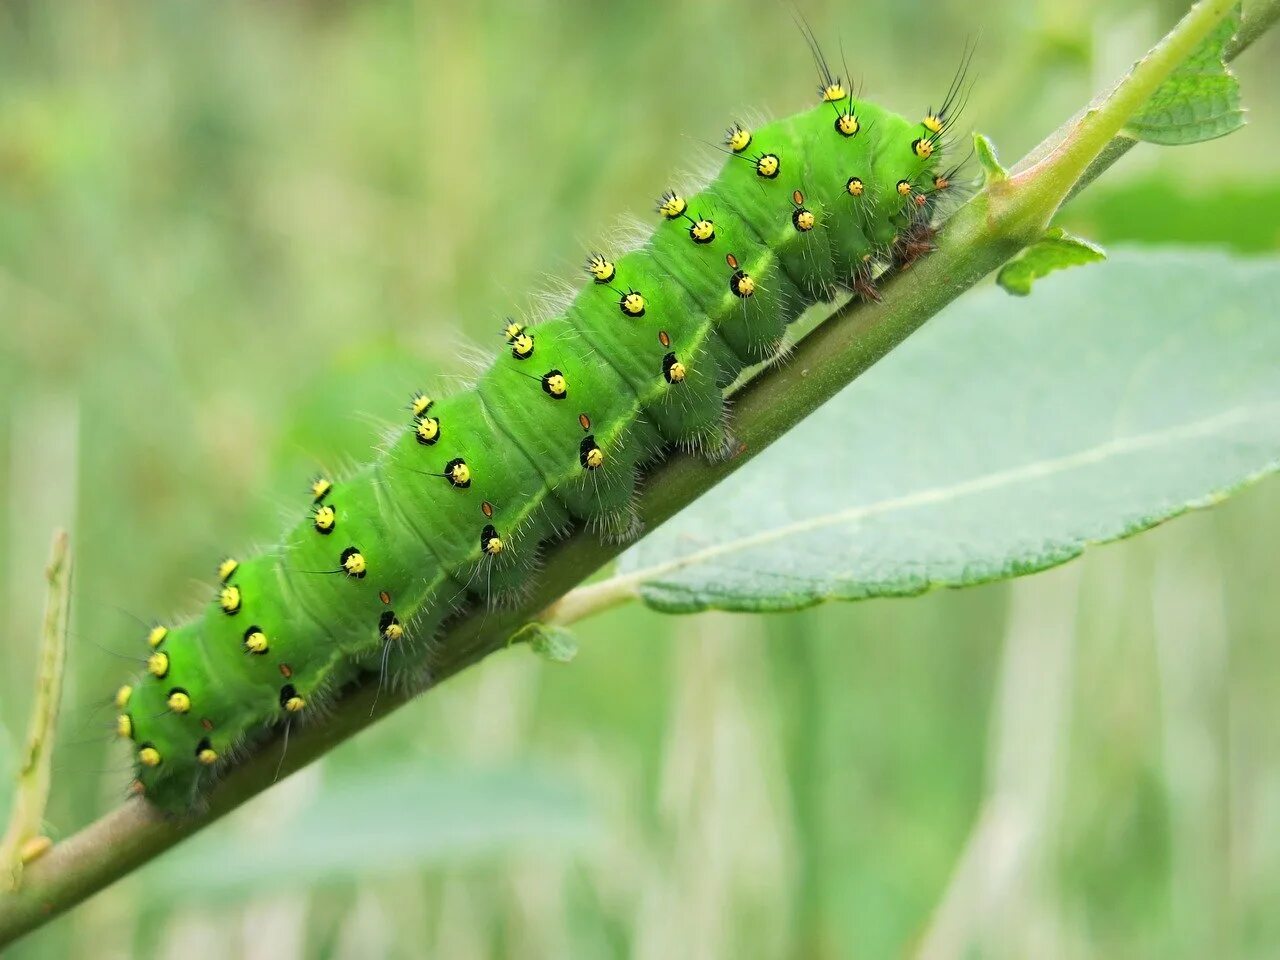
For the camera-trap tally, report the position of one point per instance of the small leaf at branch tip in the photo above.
(986, 151)
(548, 641)
(1199, 101)
(1056, 250)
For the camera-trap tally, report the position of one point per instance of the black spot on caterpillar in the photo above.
(553, 433)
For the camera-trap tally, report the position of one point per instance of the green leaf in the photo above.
(1199, 101)
(547, 640)
(1242, 216)
(8, 776)
(375, 821)
(987, 159)
(1056, 250)
(1002, 439)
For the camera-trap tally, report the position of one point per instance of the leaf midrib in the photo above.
(983, 483)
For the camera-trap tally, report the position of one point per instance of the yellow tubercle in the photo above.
(833, 92)
(229, 599)
(158, 664)
(353, 563)
(179, 701)
(427, 431)
(632, 304)
(255, 641)
(671, 205)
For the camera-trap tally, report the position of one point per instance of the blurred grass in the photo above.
(234, 237)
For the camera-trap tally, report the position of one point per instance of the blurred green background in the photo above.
(234, 237)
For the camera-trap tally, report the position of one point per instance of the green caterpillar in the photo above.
(553, 434)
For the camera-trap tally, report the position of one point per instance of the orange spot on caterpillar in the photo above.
(664, 338)
(731, 260)
(286, 671)
(584, 421)
(487, 508)
(384, 596)
(206, 723)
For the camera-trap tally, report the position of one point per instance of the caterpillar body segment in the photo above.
(553, 434)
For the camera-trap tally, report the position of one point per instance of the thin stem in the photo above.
(1261, 18)
(978, 239)
(24, 839)
(1028, 200)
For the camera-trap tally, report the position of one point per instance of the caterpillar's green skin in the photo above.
(421, 536)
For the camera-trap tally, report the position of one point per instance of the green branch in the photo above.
(24, 840)
(995, 225)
